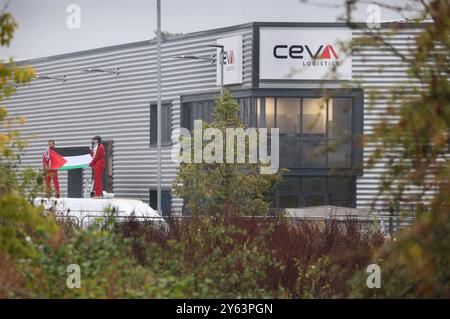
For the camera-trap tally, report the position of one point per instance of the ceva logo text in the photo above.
(228, 57)
(282, 51)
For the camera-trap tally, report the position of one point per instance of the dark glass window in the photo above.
(314, 200)
(259, 121)
(313, 184)
(340, 189)
(339, 184)
(202, 110)
(340, 199)
(208, 111)
(307, 138)
(339, 132)
(186, 116)
(290, 184)
(166, 124)
(166, 201)
(314, 118)
(315, 191)
(339, 153)
(247, 112)
(290, 152)
(288, 201)
(316, 139)
(270, 112)
(339, 117)
(197, 111)
(313, 132)
(288, 116)
(314, 152)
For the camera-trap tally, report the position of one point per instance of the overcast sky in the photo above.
(44, 31)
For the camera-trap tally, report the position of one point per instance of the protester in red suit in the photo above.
(49, 173)
(98, 164)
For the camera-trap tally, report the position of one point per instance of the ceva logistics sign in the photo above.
(232, 68)
(304, 54)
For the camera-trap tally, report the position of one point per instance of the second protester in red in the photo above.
(98, 164)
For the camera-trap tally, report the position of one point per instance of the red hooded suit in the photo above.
(98, 165)
(50, 174)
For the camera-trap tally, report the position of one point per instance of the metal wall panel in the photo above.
(379, 71)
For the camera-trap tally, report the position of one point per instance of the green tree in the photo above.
(10, 76)
(229, 188)
(20, 221)
(11, 145)
(167, 34)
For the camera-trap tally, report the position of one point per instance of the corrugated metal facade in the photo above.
(379, 71)
(117, 107)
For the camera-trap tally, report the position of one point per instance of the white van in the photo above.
(83, 211)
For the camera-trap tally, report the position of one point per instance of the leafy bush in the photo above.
(106, 269)
(20, 224)
(196, 257)
(238, 257)
(416, 264)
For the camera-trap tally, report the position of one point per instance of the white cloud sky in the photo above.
(43, 29)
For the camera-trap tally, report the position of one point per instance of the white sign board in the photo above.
(232, 68)
(304, 54)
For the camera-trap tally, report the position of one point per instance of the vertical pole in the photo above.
(391, 222)
(158, 106)
(221, 71)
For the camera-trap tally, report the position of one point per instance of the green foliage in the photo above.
(167, 34)
(316, 279)
(240, 257)
(106, 269)
(10, 76)
(27, 182)
(230, 188)
(202, 257)
(8, 26)
(20, 224)
(415, 265)
(208, 260)
(11, 146)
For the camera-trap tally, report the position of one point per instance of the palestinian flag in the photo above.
(65, 158)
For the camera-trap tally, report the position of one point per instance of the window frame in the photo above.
(326, 193)
(166, 200)
(357, 94)
(168, 141)
(307, 139)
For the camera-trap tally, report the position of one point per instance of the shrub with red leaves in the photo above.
(229, 257)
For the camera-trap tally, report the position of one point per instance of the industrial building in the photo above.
(278, 73)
